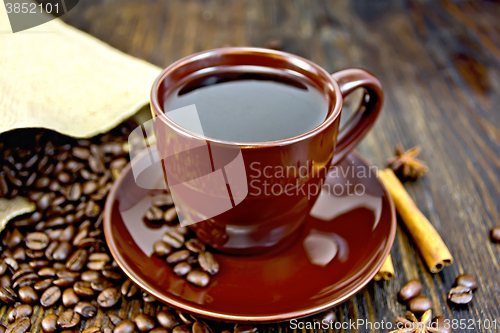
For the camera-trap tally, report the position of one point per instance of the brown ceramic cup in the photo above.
(225, 190)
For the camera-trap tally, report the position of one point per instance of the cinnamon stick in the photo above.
(386, 272)
(430, 245)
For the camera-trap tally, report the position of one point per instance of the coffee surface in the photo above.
(251, 106)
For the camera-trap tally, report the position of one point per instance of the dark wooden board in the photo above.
(439, 62)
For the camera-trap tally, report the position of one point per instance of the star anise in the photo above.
(407, 163)
(411, 324)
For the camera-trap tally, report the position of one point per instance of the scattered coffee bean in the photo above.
(181, 329)
(466, 280)
(495, 234)
(22, 272)
(108, 297)
(420, 304)
(144, 322)
(77, 260)
(69, 297)
(148, 298)
(43, 284)
(68, 319)
(83, 288)
(101, 285)
(166, 319)
(27, 295)
(97, 261)
(47, 272)
(170, 214)
(186, 318)
(441, 324)
(23, 310)
(194, 245)
(94, 329)
(174, 239)
(198, 278)
(129, 289)
(49, 323)
(85, 309)
(460, 295)
(178, 256)
(410, 290)
(62, 251)
(161, 249)
(159, 330)
(154, 214)
(21, 325)
(125, 326)
(50, 296)
(208, 263)
(114, 318)
(182, 268)
(7, 295)
(112, 275)
(81, 153)
(201, 327)
(90, 276)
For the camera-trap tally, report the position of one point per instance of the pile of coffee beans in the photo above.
(179, 246)
(410, 294)
(57, 255)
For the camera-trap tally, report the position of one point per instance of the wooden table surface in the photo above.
(439, 62)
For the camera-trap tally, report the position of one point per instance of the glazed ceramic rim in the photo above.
(303, 63)
(354, 288)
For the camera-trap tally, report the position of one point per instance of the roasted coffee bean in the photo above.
(74, 192)
(67, 274)
(101, 285)
(198, 278)
(460, 295)
(181, 329)
(39, 263)
(67, 234)
(58, 202)
(245, 329)
(174, 239)
(21, 325)
(64, 177)
(69, 297)
(55, 222)
(420, 304)
(68, 319)
(154, 214)
(161, 249)
(80, 235)
(148, 298)
(83, 288)
(47, 272)
(14, 239)
(89, 187)
(20, 311)
(96, 164)
(466, 280)
(92, 209)
(144, 322)
(194, 245)
(441, 324)
(112, 275)
(114, 318)
(26, 280)
(19, 254)
(34, 254)
(90, 276)
(81, 153)
(97, 261)
(5, 281)
(178, 256)
(162, 200)
(45, 201)
(53, 234)
(92, 330)
(3, 267)
(59, 266)
(186, 318)
(182, 230)
(129, 289)
(495, 234)
(85, 309)
(182, 268)
(77, 260)
(125, 326)
(21, 272)
(208, 263)
(410, 290)
(49, 323)
(201, 327)
(43, 284)
(166, 319)
(64, 281)
(11, 262)
(27, 295)
(62, 251)
(108, 297)
(159, 330)
(50, 296)
(42, 182)
(90, 242)
(54, 186)
(170, 214)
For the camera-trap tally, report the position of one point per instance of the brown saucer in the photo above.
(337, 253)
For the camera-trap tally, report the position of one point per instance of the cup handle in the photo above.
(363, 119)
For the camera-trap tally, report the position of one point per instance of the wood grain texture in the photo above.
(439, 62)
